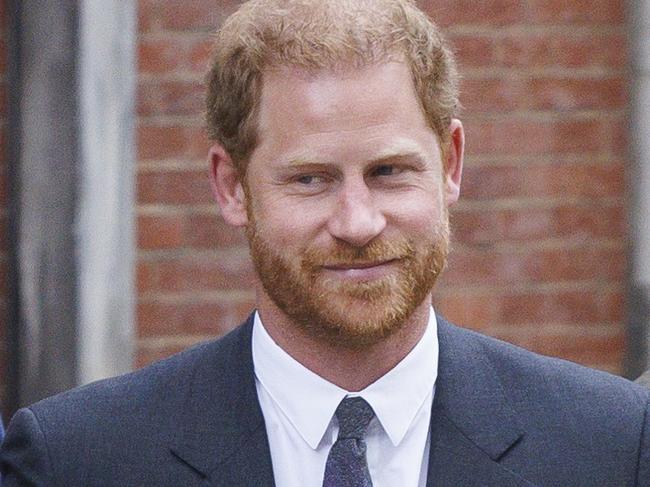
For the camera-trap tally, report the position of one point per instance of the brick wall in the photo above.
(193, 271)
(3, 202)
(539, 252)
(541, 229)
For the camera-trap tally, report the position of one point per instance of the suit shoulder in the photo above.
(130, 420)
(552, 379)
(558, 403)
(156, 389)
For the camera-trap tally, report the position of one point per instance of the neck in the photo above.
(350, 369)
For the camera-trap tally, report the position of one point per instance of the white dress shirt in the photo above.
(298, 407)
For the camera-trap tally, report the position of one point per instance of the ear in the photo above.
(227, 187)
(454, 162)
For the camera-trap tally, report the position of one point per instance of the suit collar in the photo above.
(221, 425)
(472, 423)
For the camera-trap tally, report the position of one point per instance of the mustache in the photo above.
(342, 253)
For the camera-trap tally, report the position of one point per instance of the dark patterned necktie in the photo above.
(347, 465)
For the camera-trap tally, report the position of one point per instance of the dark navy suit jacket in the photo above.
(501, 417)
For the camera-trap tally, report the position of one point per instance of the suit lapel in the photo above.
(221, 431)
(472, 422)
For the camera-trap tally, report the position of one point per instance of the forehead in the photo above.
(323, 93)
(339, 109)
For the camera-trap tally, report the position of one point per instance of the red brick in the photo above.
(597, 12)
(196, 231)
(475, 311)
(170, 98)
(464, 12)
(179, 55)
(497, 267)
(577, 223)
(579, 308)
(160, 56)
(160, 232)
(586, 348)
(194, 273)
(543, 137)
(204, 318)
(182, 15)
(557, 265)
(541, 50)
(576, 50)
(474, 51)
(493, 94)
(167, 142)
(577, 94)
(508, 94)
(199, 55)
(211, 231)
(174, 187)
(561, 180)
(468, 269)
(145, 277)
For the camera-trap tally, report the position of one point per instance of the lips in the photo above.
(357, 265)
(359, 271)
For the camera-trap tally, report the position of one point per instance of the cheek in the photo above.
(289, 225)
(417, 216)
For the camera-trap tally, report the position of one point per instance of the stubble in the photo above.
(350, 313)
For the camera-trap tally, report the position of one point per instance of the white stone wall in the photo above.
(105, 223)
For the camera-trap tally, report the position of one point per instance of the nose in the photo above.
(356, 218)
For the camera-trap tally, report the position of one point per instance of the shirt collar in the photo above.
(309, 401)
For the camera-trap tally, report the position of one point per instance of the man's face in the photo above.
(347, 215)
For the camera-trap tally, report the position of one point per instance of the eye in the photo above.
(309, 179)
(386, 170)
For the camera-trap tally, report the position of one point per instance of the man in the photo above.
(338, 151)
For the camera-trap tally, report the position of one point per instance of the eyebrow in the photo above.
(384, 157)
(396, 158)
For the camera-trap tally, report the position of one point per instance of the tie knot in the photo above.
(354, 415)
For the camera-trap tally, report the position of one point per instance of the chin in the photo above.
(355, 323)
